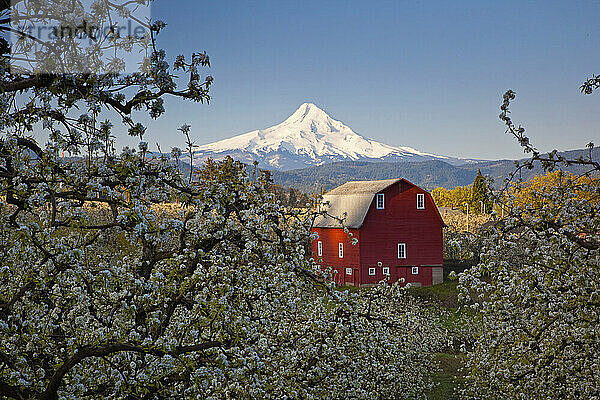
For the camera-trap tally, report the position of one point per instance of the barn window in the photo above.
(401, 250)
(380, 201)
(415, 270)
(386, 270)
(420, 201)
(348, 271)
(371, 271)
(341, 250)
(319, 248)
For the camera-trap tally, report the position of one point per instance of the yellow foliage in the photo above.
(455, 198)
(535, 192)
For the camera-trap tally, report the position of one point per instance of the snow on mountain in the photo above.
(308, 137)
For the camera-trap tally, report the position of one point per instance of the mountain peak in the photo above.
(308, 137)
(307, 111)
(310, 107)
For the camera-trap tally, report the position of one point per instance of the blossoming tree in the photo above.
(110, 289)
(537, 289)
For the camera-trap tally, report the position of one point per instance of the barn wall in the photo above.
(330, 238)
(401, 222)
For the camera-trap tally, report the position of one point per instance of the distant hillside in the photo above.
(500, 169)
(426, 174)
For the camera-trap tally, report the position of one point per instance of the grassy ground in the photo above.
(444, 297)
(443, 294)
(449, 378)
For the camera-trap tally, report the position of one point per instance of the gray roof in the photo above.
(350, 201)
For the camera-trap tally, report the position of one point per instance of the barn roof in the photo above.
(351, 201)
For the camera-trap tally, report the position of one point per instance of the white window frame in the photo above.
(402, 254)
(386, 270)
(341, 250)
(372, 271)
(320, 248)
(348, 271)
(380, 196)
(420, 201)
(415, 270)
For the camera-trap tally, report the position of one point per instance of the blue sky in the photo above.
(429, 75)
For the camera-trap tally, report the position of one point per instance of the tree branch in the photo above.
(106, 350)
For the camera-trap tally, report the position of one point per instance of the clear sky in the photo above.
(424, 74)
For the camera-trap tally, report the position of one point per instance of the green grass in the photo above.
(443, 300)
(350, 288)
(444, 294)
(449, 378)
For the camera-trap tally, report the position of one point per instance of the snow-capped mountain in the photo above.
(309, 137)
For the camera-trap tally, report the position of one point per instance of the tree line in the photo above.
(475, 198)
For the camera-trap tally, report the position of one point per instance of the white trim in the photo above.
(320, 248)
(348, 271)
(372, 271)
(415, 270)
(386, 270)
(420, 201)
(402, 250)
(380, 196)
(341, 250)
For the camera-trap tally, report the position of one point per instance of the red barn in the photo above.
(393, 230)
